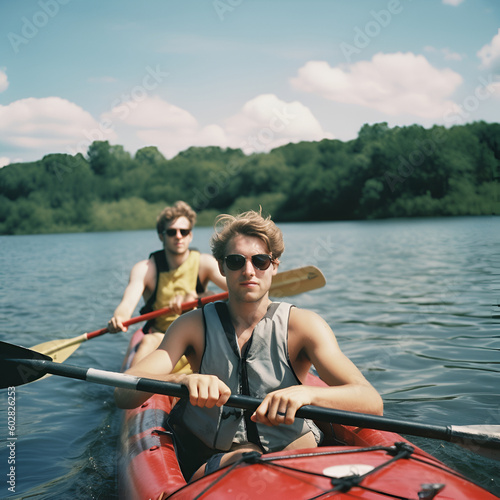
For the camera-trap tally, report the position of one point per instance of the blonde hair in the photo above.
(248, 224)
(169, 214)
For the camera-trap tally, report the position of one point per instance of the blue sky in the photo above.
(249, 74)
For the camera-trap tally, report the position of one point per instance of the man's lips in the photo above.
(248, 283)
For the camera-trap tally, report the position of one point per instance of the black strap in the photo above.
(227, 325)
(251, 426)
(161, 266)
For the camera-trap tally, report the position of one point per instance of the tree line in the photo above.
(385, 172)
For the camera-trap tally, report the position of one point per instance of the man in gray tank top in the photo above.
(252, 346)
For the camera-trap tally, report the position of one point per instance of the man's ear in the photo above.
(276, 263)
(161, 237)
(220, 263)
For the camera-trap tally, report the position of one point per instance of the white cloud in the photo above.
(267, 122)
(35, 127)
(4, 161)
(446, 52)
(263, 123)
(494, 89)
(490, 53)
(49, 125)
(453, 3)
(395, 84)
(4, 82)
(153, 121)
(153, 112)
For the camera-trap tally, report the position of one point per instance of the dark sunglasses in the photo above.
(173, 232)
(236, 261)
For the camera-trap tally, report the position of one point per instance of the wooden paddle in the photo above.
(285, 284)
(21, 366)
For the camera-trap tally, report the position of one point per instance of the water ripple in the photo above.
(414, 303)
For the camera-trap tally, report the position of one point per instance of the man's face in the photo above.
(173, 240)
(249, 283)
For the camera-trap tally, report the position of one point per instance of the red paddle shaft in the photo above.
(165, 310)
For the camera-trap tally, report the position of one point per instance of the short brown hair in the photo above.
(169, 214)
(248, 224)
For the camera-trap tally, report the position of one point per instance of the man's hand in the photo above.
(115, 324)
(206, 390)
(279, 407)
(176, 303)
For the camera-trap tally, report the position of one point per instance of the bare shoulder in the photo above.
(209, 271)
(191, 319)
(304, 320)
(144, 272)
(187, 330)
(207, 260)
(308, 331)
(143, 266)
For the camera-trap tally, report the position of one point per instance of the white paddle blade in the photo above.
(481, 439)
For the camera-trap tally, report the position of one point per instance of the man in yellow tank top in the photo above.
(168, 278)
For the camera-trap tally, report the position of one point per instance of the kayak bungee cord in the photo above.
(398, 451)
(344, 484)
(249, 458)
(415, 456)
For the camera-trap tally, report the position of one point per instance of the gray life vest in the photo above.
(262, 368)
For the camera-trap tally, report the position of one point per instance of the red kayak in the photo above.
(352, 463)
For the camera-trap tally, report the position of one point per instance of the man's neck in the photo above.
(175, 260)
(246, 315)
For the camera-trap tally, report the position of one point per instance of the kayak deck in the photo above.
(353, 463)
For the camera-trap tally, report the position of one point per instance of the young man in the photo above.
(253, 346)
(168, 278)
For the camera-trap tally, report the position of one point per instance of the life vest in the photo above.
(262, 368)
(169, 283)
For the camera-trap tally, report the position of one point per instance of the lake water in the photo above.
(414, 303)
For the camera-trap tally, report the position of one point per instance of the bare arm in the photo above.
(142, 277)
(209, 271)
(311, 341)
(184, 336)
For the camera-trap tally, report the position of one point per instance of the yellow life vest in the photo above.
(170, 283)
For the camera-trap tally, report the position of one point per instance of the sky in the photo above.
(249, 74)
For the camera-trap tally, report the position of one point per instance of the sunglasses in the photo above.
(236, 261)
(173, 232)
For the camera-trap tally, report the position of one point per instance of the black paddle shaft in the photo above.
(29, 366)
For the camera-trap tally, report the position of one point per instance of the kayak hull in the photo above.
(387, 465)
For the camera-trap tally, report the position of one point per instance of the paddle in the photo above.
(285, 284)
(21, 366)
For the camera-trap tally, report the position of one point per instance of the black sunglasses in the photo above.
(236, 261)
(173, 232)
